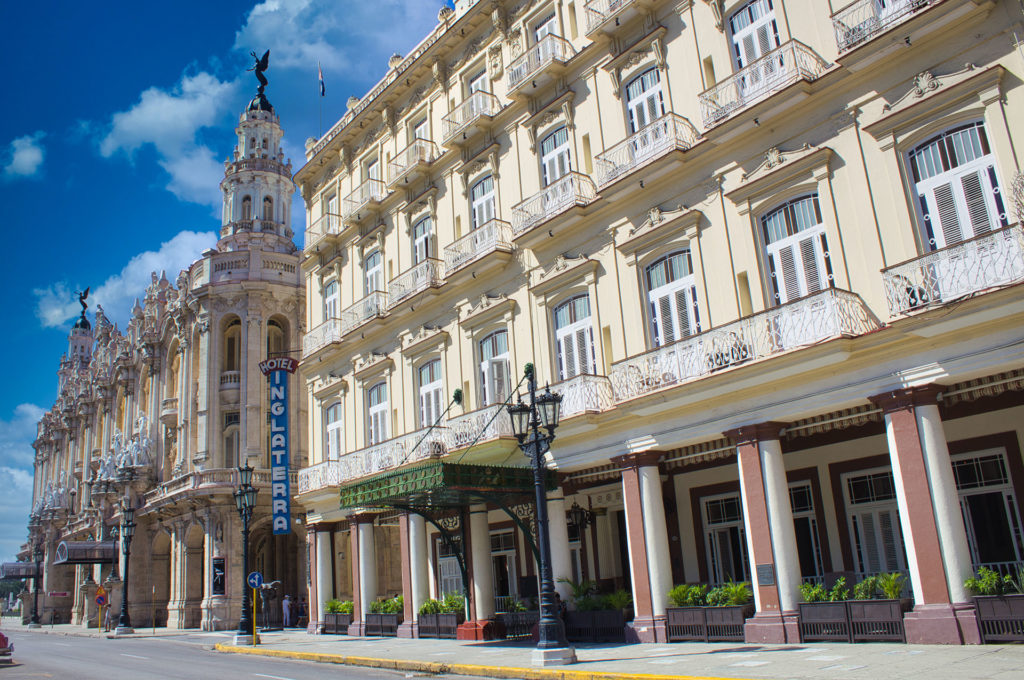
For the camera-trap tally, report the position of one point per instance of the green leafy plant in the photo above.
(1017, 579)
(730, 593)
(891, 584)
(620, 599)
(816, 592)
(516, 605)
(866, 589)
(430, 606)
(989, 582)
(580, 589)
(688, 595)
(339, 606)
(453, 603)
(393, 605)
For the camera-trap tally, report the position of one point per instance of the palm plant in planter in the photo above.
(875, 612)
(385, 617)
(441, 618)
(999, 600)
(708, 615)
(823, 614)
(596, 618)
(337, 616)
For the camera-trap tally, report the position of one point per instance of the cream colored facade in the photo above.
(767, 253)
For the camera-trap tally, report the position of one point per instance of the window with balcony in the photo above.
(957, 186)
(494, 372)
(478, 82)
(574, 338)
(554, 155)
(754, 32)
(231, 439)
(672, 295)
(418, 130)
(371, 169)
(874, 521)
(546, 26)
(377, 414)
(331, 301)
(422, 240)
(725, 539)
(233, 346)
(796, 249)
(481, 198)
(373, 269)
(333, 431)
(431, 392)
(644, 101)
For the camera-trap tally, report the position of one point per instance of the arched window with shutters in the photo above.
(574, 337)
(373, 270)
(481, 197)
(796, 249)
(644, 100)
(268, 209)
(754, 34)
(494, 374)
(554, 156)
(331, 301)
(431, 392)
(333, 431)
(672, 294)
(957, 186)
(377, 414)
(422, 240)
(246, 207)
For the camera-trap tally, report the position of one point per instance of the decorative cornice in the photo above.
(659, 224)
(425, 336)
(563, 269)
(487, 307)
(782, 170)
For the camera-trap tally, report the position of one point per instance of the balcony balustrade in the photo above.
(490, 422)
(862, 20)
(169, 412)
(570, 190)
(541, 60)
(411, 162)
(324, 226)
(321, 336)
(584, 394)
(605, 14)
(966, 268)
(831, 313)
(426, 274)
(230, 380)
(476, 111)
(489, 237)
(387, 455)
(373, 305)
(760, 79)
(370, 192)
(668, 133)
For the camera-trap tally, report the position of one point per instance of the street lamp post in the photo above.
(124, 623)
(245, 500)
(37, 554)
(527, 419)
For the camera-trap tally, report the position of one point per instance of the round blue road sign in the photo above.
(255, 579)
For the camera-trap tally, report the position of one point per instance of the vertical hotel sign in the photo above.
(277, 370)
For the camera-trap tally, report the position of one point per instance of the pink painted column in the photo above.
(407, 629)
(358, 625)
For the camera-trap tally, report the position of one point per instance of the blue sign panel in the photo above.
(280, 492)
(255, 579)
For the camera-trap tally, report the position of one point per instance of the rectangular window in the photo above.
(449, 576)
(333, 430)
(989, 507)
(478, 82)
(805, 525)
(331, 301)
(725, 539)
(798, 257)
(374, 272)
(422, 240)
(574, 338)
(494, 373)
(482, 201)
(555, 158)
(431, 393)
(377, 414)
(874, 522)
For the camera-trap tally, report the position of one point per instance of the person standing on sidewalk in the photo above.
(286, 611)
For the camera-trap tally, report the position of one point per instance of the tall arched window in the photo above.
(431, 392)
(482, 201)
(644, 100)
(246, 207)
(233, 346)
(754, 34)
(574, 337)
(957, 186)
(494, 358)
(374, 271)
(231, 439)
(333, 430)
(275, 338)
(268, 208)
(554, 155)
(422, 240)
(377, 414)
(331, 300)
(798, 258)
(672, 294)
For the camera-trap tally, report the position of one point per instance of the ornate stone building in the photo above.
(163, 411)
(765, 251)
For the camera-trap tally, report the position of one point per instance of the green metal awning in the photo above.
(16, 570)
(438, 484)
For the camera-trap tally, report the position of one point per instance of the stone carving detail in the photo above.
(717, 10)
(926, 82)
(656, 216)
(773, 158)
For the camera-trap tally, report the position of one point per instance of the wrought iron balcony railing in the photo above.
(862, 20)
(490, 422)
(600, 12)
(569, 190)
(585, 394)
(326, 225)
(419, 154)
(477, 105)
(668, 133)
(969, 267)
(370, 191)
(387, 455)
(551, 48)
(373, 305)
(321, 336)
(487, 238)
(426, 274)
(760, 79)
(831, 313)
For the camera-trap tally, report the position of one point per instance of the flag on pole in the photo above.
(321, 72)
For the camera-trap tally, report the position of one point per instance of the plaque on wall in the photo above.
(766, 574)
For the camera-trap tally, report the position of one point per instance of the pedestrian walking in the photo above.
(286, 611)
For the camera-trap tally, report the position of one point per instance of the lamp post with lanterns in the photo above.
(527, 421)
(124, 622)
(37, 555)
(245, 500)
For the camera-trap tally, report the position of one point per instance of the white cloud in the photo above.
(24, 156)
(170, 121)
(16, 466)
(56, 304)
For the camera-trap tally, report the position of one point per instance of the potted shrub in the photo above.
(518, 621)
(729, 606)
(685, 617)
(441, 618)
(337, 617)
(823, 613)
(999, 601)
(595, 618)
(877, 608)
(385, 617)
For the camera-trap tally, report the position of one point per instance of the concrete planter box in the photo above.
(442, 626)
(336, 624)
(607, 625)
(382, 625)
(1000, 617)
(708, 624)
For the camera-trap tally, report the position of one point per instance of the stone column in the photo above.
(771, 539)
(647, 541)
(408, 628)
(558, 531)
(938, 556)
(483, 570)
(253, 383)
(418, 561)
(324, 576)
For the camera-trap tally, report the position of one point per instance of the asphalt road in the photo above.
(39, 655)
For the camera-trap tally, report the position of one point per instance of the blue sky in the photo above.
(117, 117)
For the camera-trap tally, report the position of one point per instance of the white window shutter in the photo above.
(949, 221)
(569, 352)
(668, 331)
(585, 350)
(977, 203)
(683, 313)
(812, 272)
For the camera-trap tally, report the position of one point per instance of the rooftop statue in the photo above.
(83, 295)
(261, 65)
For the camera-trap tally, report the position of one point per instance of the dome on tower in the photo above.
(260, 103)
(82, 323)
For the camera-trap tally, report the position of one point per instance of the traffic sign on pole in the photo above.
(101, 596)
(255, 579)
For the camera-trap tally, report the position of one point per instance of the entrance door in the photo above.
(989, 507)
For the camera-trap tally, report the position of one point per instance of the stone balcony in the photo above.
(666, 134)
(774, 72)
(169, 412)
(988, 261)
(321, 336)
(584, 394)
(370, 307)
(492, 236)
(323, 227)
(862, 20)
(831, 313)
(369, 194)
(425, 275)
(411, 163)
(572, 189)
(540, 65)
(606, 16)
(468, 118)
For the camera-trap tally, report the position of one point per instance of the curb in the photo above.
(437, 667)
